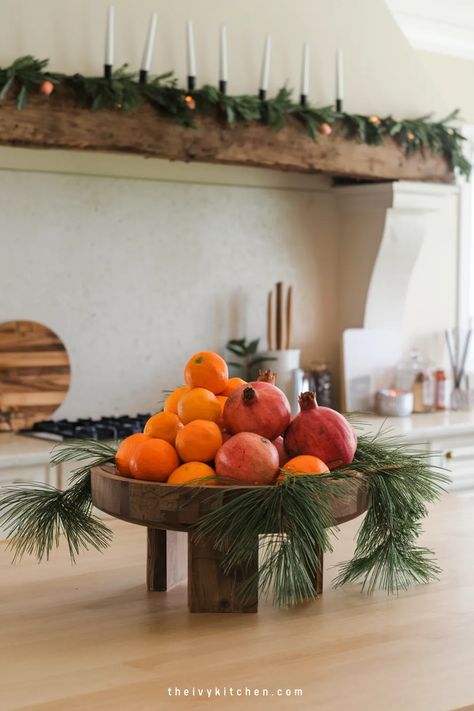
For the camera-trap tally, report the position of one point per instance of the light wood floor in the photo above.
(90, 637)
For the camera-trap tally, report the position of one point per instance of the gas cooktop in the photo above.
(88, 428)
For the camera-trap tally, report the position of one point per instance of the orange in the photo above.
(221, 399)
(199, 404)
(198, 441)
(305, 464)
(126, 451)
(191, 472)
(171, 402)
(164, 425)
(206, 370)
(153, 460)
(232, 384)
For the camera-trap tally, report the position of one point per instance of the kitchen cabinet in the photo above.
(447, 436)
(457, 455)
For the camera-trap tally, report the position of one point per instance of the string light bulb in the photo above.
(191, 104)
(374, 120)
(410, 135)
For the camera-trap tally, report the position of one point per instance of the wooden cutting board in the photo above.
(34, 374)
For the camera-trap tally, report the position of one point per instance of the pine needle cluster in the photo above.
(36, 515)
(401, 485)
(290, 522)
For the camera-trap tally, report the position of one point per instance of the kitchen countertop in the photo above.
(18, 450)
(421, 427)
(90, 637)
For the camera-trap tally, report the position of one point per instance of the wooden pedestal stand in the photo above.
(170, 512)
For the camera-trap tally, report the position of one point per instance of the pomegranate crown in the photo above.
(267, 376)
(307, 400)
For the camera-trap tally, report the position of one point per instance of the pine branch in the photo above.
(401, 483)
(36, 515)
(295, 516)
(28, 73)
(121, 91)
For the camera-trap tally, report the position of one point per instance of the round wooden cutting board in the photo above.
(34, 374)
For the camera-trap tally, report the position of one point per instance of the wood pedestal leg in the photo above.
(166, 559)
(209, 590)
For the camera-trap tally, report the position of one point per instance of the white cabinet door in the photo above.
(456, 454)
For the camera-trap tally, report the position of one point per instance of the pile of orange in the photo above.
(178, 445)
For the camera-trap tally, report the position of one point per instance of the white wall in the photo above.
(137, 275)
(453, 78)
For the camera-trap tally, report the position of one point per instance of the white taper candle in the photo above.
(190, 49)
(305, 71)
(149, 44)
(265, 74)
(223, 66)
(109, 37)
(339, 75)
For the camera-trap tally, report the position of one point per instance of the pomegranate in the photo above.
(257, 407)
(322, 432)
(279, 443)
(248, 458)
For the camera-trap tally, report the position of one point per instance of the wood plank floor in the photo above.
(90, 637)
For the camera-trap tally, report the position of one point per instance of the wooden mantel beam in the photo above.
(58, 123)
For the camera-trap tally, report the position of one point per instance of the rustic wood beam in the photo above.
(58, 123)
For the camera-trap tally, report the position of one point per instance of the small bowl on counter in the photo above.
(394, 403)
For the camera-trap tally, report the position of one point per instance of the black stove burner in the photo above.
(88, 428)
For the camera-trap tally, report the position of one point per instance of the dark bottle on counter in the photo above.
(318, 379)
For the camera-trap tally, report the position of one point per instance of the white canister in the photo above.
(284, 363)
(394, 403)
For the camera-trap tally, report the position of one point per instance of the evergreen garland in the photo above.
(295, 517)
(124, 92)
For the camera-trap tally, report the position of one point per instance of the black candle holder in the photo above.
(191, 83)
(222, 86)
(108, 68)
(339, 106)
(143, 76)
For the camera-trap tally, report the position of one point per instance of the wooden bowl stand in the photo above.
(170, 512)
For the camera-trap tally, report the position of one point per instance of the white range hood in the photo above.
(389, 232)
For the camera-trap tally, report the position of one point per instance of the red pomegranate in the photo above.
(258, 407)
(279, 443)
(248, 458)
(322, 432)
